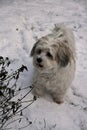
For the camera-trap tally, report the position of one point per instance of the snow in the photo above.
(21, 23)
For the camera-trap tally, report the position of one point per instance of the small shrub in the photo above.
(10, 108)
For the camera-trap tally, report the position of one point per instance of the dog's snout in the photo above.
(39, 60)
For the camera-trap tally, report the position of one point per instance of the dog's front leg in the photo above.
(58, 98)
(37, 91)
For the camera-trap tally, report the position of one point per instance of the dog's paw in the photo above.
(58, 101)
(37, 93)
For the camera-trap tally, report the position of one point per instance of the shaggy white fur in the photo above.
(54, 63)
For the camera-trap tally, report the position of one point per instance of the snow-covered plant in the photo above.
(11, 103)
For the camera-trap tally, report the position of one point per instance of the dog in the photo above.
(54, 63)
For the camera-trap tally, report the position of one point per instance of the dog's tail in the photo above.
(58, 26)
(59, 29)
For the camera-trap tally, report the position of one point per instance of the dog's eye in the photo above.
(38, 51)
(49, 55)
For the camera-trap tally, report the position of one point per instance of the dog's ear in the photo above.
(33, 49)
(64, 55)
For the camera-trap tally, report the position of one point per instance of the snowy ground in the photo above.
(21, 22)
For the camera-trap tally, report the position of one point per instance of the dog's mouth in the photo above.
(39, 65)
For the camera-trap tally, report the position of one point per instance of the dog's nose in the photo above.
(39, 60)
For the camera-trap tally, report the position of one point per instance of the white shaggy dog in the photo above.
(54, 63)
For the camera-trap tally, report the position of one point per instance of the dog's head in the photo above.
(48, 53)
